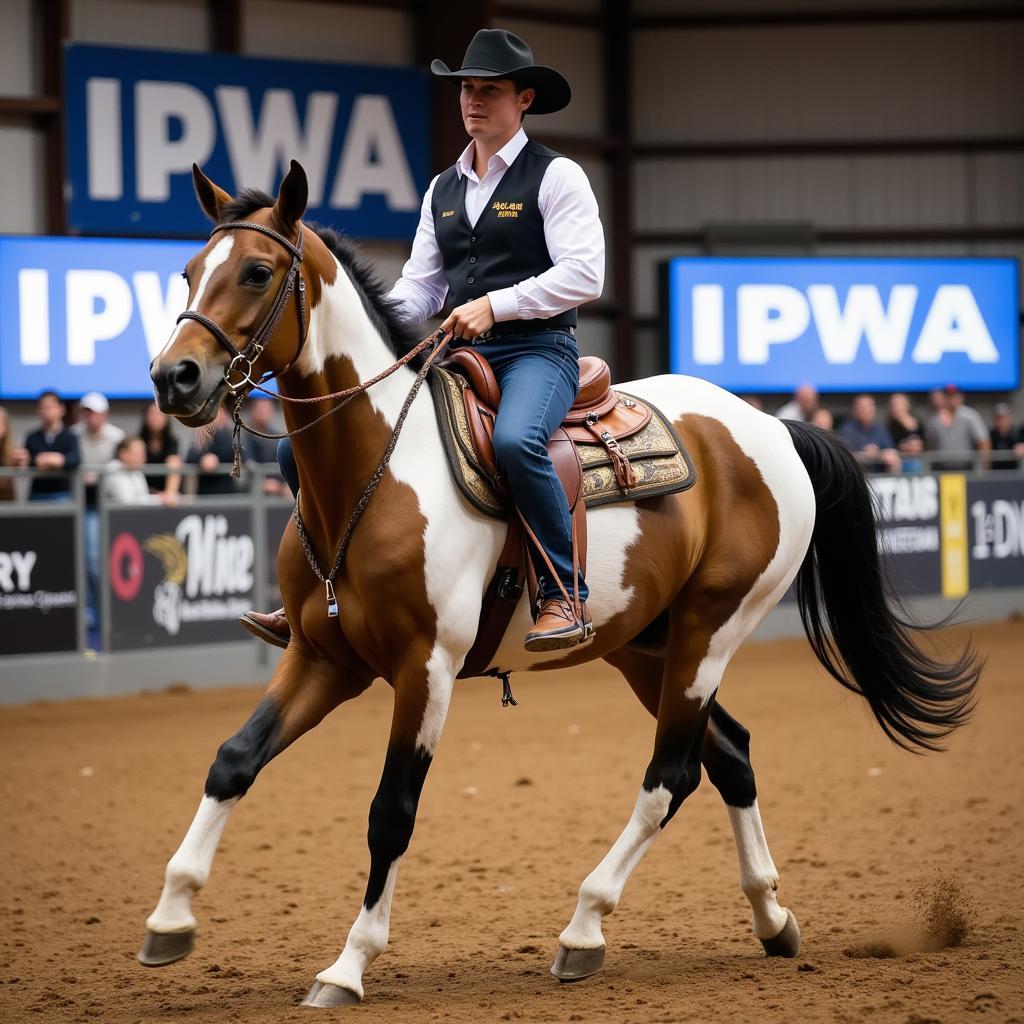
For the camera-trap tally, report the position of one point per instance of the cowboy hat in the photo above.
(495, 53)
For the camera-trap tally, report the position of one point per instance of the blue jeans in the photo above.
(539, 377)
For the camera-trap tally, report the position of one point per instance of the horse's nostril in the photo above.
(184, 377)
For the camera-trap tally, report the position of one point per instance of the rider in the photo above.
(510, 239)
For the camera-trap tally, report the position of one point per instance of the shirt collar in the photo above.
(506, 154)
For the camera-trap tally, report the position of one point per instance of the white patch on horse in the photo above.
(367, 939)
(214, 258)
(766, 442)
(602, 888)
(611, 532)
(758, 876)
(188, 870)
(461, 545)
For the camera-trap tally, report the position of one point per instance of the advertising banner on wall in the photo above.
(995, 509)
(138, 119)
(907, 512)
(179, 576)
(762, 325)
(84, 314)
(38, 594)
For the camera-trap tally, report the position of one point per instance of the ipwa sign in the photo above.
(138, 119)
(844, 324)
(82, 314)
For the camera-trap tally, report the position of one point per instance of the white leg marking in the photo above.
(189, 868)
(367, 939)
(758, 877)
(602, 888)
(217, 255)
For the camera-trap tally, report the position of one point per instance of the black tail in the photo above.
(855, 626)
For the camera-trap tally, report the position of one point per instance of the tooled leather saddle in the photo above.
(610, 447)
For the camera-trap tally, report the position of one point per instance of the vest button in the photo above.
(472, 238)
(472, 259)
(471, 279)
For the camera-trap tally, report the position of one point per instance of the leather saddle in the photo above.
(599, 416)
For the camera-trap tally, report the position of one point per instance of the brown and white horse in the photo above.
(677, 583)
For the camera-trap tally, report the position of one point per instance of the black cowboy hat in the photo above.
(495, 53)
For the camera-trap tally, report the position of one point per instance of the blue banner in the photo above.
(80, 314)
(844, 324)
(138, 119)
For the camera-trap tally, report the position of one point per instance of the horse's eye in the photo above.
(259, 275)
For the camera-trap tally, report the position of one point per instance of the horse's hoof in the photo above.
(787, 942)
(323, 994)
(163, 948)
(577, 964)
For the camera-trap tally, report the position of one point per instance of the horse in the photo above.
(677, 582)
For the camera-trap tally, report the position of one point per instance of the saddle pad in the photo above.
(659, 459)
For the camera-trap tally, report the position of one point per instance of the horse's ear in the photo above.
(211, 197)
(292, 196)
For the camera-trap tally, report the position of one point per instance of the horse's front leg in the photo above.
(302, 691)
(423, 691)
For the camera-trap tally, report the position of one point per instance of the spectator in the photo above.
(50, 448)
(260, 415)
(955, 428)
(161, 449)
(216, 452)
(802, 405)
(6, 456)
(905, 429)
(1006, 438)
(124, 483)
(864, 435)
(823, 418)
(98, 439)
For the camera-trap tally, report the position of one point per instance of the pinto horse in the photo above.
(677, 582)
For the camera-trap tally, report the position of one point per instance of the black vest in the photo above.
(505, 246)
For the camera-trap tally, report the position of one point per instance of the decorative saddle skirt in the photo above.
(611, 447)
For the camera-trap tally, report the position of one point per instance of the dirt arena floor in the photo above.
(905, 872)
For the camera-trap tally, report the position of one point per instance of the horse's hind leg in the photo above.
(726, 756)
(301, 693)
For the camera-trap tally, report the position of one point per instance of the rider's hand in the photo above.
(470, 320)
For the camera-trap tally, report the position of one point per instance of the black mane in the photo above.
(399, 335)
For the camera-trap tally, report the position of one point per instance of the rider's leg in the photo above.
(539, 378)
(286, 462)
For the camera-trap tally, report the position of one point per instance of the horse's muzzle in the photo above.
(183, 389)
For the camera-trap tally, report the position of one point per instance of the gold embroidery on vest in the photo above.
(505, 209)
(447, 213)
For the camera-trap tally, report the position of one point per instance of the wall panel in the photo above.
(829, 82)
(20, 73)
(22, 199)
(304, 30)
(159, 24)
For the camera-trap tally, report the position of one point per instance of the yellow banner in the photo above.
(953, 520)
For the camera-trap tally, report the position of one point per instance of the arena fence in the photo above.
(172, 581)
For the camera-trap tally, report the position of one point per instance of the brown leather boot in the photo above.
(271, 627)
(558, 628)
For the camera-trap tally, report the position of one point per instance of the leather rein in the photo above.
(242, 363)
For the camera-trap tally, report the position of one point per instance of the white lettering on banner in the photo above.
(372, 159)
(768, 314)
(998, 533)
(34, 316)
(158, 308)
(217, 564)
(158, 155)
(257, 154)
(103, 102)
(905, 497)
(16, 570)
(774, 314)
(955, 324)
(885, 330)
(708, 327)
(87, 323)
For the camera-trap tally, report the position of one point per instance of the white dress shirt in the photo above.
(572, 231)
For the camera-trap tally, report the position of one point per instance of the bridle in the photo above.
(242, 362)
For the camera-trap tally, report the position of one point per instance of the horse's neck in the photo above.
(343, 348)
